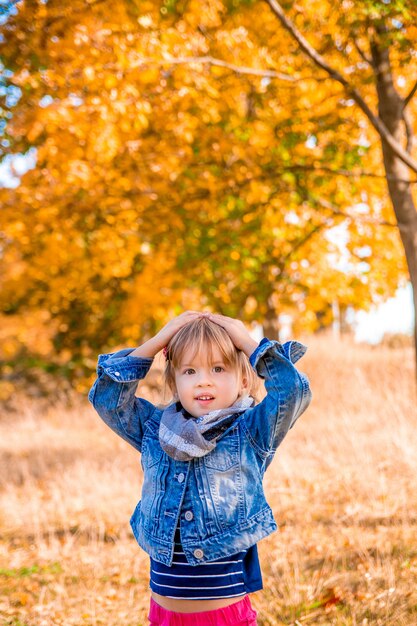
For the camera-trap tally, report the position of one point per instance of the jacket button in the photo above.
(188, 516)
(198, 553)
(117, 373)
(181, 477)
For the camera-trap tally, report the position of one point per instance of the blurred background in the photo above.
(248, 157)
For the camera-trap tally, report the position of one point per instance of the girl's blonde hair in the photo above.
(201, 336)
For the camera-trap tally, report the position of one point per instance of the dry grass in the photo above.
(342, 487)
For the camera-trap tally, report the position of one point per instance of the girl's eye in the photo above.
(189, 370)
(218, 368)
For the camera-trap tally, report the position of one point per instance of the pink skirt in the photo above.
(240, 613)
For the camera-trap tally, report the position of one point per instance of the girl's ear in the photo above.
(244, 383)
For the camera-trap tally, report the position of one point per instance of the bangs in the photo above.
(202, 337)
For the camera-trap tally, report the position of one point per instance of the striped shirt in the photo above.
(227, 577)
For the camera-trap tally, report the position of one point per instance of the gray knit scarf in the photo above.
(181, 434)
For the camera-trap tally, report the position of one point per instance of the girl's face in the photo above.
(203, 386)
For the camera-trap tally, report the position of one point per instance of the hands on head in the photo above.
(235, 329)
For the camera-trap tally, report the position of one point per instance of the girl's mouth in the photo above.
(204, 399)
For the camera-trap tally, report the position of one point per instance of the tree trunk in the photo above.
(270, 325)
(391, 111)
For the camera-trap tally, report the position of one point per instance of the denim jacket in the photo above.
(218, 499)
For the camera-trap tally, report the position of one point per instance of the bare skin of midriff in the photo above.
(193, 606)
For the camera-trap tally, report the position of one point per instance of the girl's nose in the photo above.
(204, 378)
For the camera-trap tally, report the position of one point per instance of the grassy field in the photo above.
(342, 487)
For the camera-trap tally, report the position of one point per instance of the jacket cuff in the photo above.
(292, 350)
(121, 367)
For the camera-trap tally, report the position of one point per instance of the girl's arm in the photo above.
(118, 373)
(288, 390)
(113, 394)
(288, 395)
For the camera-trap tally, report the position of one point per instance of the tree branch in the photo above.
(296, 244)
(348, 173)
(376, 122)
(362, 54)
(325, 204)
(410, 95)
(218, 62)
(309, 168)
(336, 211)
(408, 130)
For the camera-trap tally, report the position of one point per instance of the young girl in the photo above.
(203, 508)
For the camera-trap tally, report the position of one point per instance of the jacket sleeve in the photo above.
(113, 394)
(288, 395)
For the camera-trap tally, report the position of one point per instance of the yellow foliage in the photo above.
(160, 184)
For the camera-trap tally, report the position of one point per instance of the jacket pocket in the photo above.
(225, 455)
(223, 472)
(151, 452)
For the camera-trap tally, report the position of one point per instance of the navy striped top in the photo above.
(227, 577)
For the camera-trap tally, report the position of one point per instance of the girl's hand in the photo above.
(237, 332)
(173, 326)
(151, 347)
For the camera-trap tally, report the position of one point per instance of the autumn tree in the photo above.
(185, 155)
(366, 49)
